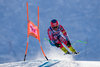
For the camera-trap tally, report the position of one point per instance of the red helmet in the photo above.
(54, 23)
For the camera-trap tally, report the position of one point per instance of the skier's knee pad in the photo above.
(68, 44)
(57, 45)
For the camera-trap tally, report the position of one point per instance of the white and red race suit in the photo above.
(56, 37)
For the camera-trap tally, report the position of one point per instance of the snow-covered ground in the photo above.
(55, 60)
(63, 63)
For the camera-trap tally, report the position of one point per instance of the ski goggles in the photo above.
(55, 27)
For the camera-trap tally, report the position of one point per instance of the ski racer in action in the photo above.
(56, 39)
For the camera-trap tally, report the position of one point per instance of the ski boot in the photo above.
(73, 50)
(67, 52)
(75, 53)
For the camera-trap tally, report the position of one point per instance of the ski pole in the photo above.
(72, 43)
(81, 41)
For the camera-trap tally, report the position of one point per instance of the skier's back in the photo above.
(56, 39)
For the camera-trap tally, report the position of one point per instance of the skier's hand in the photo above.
(52, 42)
(57, 45)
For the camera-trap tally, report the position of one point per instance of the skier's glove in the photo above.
(57, 45)
(52, 43)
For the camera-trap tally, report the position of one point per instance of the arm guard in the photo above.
(51, 37)
(63, 31)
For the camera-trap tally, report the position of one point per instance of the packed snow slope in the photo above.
(80, 18)
(55, 60)
(67, 62)
(38, 63)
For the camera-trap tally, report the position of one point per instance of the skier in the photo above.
(56, 39)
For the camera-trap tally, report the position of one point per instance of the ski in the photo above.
(72, 53)
(49, 63)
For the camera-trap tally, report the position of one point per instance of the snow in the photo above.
(62, 63)
(55, 60)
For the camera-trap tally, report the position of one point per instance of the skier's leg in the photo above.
(63, 48)
(67, 44)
